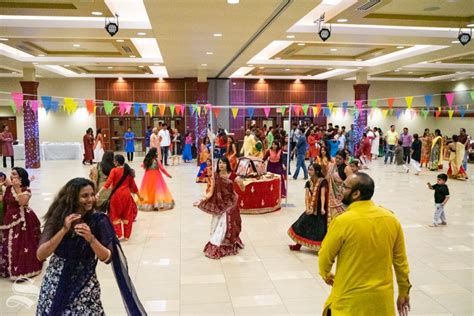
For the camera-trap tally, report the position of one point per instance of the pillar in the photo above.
(361, 92)
(31, 125)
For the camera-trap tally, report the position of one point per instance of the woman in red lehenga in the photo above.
(122, 209)
(20, 229)
(221, 203)
(88, 141)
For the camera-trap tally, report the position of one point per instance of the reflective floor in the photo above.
(173, 277)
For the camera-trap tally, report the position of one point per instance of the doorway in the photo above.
(118, 127)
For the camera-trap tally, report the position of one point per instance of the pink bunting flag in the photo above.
(207, 107)
(449, 98)
(128, 107)
(266, 110)
(122, 108)
(412, 114)
(34, 105)
(359, 104)
(18, 99)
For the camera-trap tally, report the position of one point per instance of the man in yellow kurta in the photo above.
(367, 241)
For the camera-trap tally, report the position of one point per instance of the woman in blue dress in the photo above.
(129, 144)
(187, 152)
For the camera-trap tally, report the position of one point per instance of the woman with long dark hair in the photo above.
(276, 164)
(324, 159)
(187, 151)
(88, 142)
(100, 173)
(122, 209)
(310, 228)
(155, 192)
(338, 171)
(76, 237)
(426, 147)
(436, 152)
(221, 202)
(204, 155)
(99, 146)
(231, 152)
(20, 230)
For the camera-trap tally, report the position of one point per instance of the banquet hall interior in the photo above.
(212, 67)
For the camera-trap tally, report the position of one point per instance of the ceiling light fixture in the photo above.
(290, 36)
(209, 53)
(287, 69)
(120, 41)
(400, 47)
(66, 65)
(76, 45)
(110, 67)
(470, 25)
(464, 37)
(233, 1)
(141, 33)
(333, 49)
(301, 44)
(141, 66)
(112, 25)
(277, 57)
(324, 30)
(41, 55)
(250, 65)
(132, 56)
(410, 72)
(96, 13)
(204, 65)
(3, 39)
(261, 67)
(217, 34)
(156, 64)
(342, 20)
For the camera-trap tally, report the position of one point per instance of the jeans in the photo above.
(464, 162)
(406, 154)
(164, 154)
(439, 214)
(389, 152)
(300, 164)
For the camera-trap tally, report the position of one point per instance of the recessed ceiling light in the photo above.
(290, 36)
(35, 63)
(301, 44)
(110, 67)
(400, 47)
(233, 1)
(333, 49)
(342, 20)
(3, 39)
(120, 41)
(96, 13)
(66, 65)
(141, 33)
(204, 65)
(209, 53)
(141, 66)
(277, 57)
(14, 72)
(156, 64)
(217, 34)
(41, 55)
(132, 56)
(455, 42)
(287, 69)
(410, 72)
(76, 45)
(250, 65)
(261, 67)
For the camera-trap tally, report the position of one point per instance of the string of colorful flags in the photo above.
(355, 108)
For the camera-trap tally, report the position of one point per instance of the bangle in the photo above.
(108, 256)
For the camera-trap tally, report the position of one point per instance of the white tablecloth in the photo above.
(53, 151)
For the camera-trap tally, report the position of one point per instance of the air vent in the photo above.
(127, 49)
(368, 5)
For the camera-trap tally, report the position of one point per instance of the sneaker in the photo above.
(444, 223)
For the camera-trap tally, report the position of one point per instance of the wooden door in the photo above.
(118, 127)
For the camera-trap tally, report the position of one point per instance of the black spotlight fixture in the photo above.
(464, 37)
(112, 25)
(324, 30)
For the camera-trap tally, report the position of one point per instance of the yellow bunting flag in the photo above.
(330, 105)
(162, 108)
(198, 110)
(409, 101)
(384, 113)
(235, 111)
(149, 109)
(70, 105)
(450, 113)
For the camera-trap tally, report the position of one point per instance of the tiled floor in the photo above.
(173, 277)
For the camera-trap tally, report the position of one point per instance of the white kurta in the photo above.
(375, 144)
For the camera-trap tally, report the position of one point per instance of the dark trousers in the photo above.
(5, 161)
(292, 146)
(130, 156)
(406, 154)
(164, 154)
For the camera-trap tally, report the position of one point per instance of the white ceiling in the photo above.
(176, 38)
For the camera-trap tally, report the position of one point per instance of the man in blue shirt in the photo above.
(301, 146)
(147, 138)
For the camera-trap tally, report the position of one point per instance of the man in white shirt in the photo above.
(165, 142)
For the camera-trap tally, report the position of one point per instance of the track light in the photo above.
(112, 25)
(464, 37)
(324, 30)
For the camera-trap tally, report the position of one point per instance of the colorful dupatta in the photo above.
(436, 158)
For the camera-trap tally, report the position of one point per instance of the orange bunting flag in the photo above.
(235, 111)
(179, 109)
(316, 110)
(390, 102)
(438, 113)
(90, 105)
(409, 101)
(162, 108)
(216, 111)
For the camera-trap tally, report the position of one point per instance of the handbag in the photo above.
(104, 208)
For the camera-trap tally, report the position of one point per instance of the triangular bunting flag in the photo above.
(344, 107)
(359, 104)
(305, 109)
(207, 107)
(34, 105)
(154, 109)
(428, 100)
(450, 113)
(136, 109)
(438, 113)
(355, 112)
(330, 105)
(409, 101)
(194, 108)
(216, 111)
(283, 109)
(121, 108)
(128, 107)
(462, 110)
(18, 100)
(327, 112)
(172, 108)
(90, 106)
(384, 113)
(143, 106)
(12, 106)
(425, 113)
(449, 97)
(235, 111)
(412, 114)
(297, 110)
(179, 109)
(266, 110)
(70, 105)
(46, 100)
(54, 106)
(149, 108)
(162, 109)
(198, 110)
(250, 111)
(390, 102)
(373, 103)
(398, 113)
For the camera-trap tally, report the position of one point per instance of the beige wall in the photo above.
(55, 127)
(341, 90)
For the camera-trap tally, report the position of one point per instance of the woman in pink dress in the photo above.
(221, 203)
(6, 137)
(20, 229)
(154, 191)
